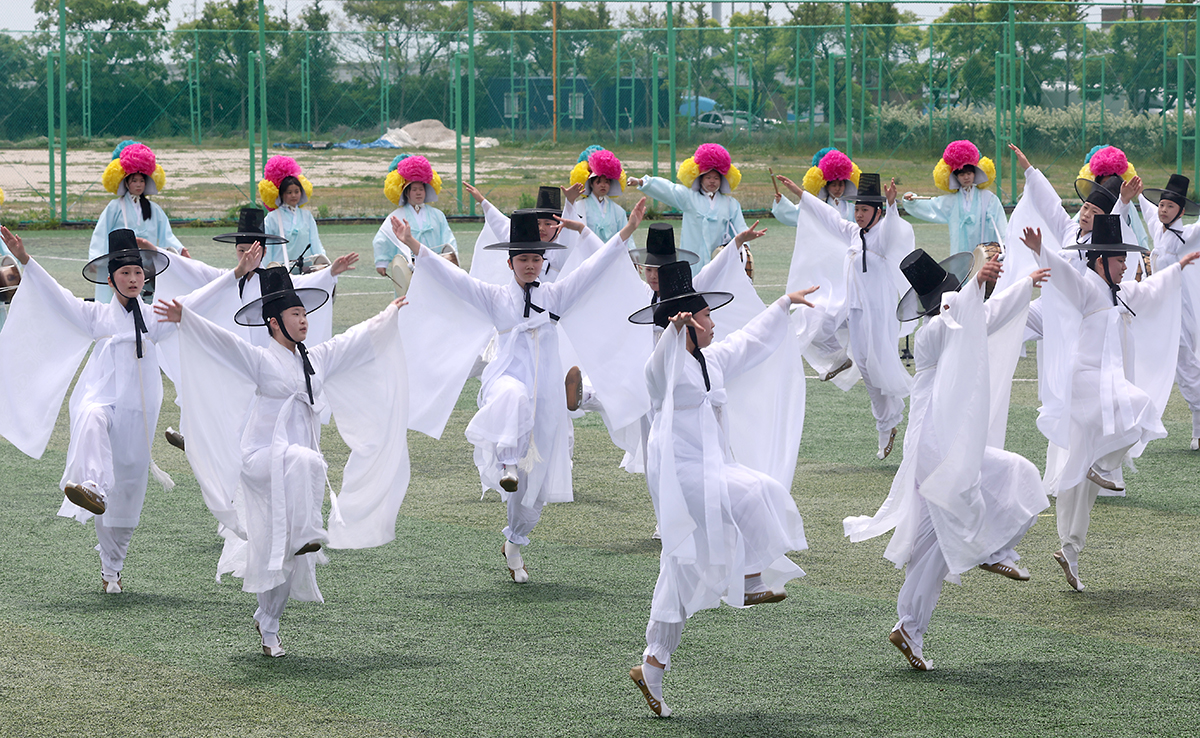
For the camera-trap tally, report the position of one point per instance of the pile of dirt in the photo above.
(431, 134)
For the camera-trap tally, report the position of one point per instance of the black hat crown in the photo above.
(1177, 185)
(523, 227)
(1104, 193)
(660, 240)
(1106, 231)
(922, 272)
(122, 239)
(549, 198)
(674, 279)
(275, 279)
(251, 220)
(869, 186)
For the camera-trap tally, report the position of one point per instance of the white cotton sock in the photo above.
(512, 552)
(653, 677)
(755, 584)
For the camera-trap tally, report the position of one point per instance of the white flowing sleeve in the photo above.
(746, 348)
(1046, 202)
(443, 334)
(46, 335)
(562, 294)
(934, 210)
(491, 266)
(1005, 313)
(219, 378)
(828, 216)
(1158, 304)
(366, 383)
(320, 323)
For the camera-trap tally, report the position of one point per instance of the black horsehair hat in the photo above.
(1107, 239)
(930, 280)
(1103, 194)
(251, 222)
(1176, 191)
(870, 190)
(549, 201)
(660, 248)
(523, 236)
(278, 295)
(123, 251)
(676, 295)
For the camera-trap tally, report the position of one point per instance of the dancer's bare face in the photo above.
(526, 267)
(135, 184)
(1168, 211)
(1116, 267)
(836, 188)
(416, 193)
(710, 181)
(291, 195)
(601, 186)
(966, 177)
(548, 229)
(128, 281)
(1086, 213)
(651, 273)
(866, 215)
(295, 320)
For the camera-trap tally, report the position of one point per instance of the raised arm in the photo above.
(476, 292)
(1046, 201)
(78, 312)
(753, 343)
(565, 292)
(828, 215)
(933, 210)
(670, 193)
(1062, 275)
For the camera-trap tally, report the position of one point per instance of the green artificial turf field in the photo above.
(428, 637)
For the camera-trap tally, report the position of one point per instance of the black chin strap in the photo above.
(308, 370)
(1114, 288)
(139, 323)
(699, 357)
(862, 234)
(529, 302)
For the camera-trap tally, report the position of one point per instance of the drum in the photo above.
(990, 249)
(10, 277)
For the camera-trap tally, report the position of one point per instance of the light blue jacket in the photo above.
(300, 229)
(125, 212)
(708, 222)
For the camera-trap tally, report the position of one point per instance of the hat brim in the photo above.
(153, 262)
(645, 316)
(1111, 248)
(959, 268)
(264, 238)
(867, 199)
(643, 257)
(251, 312)
(525, 246)
(1155, 194)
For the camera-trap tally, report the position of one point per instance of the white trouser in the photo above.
(1187, 376)
(521, 518)
(270, 607)
(662, 639)
(923, 578)
(1073, 508)
(113, 545)
(888, 411)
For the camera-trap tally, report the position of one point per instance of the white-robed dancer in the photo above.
(958, 500)
(275, 471)
(1163, 211)
(114, 407)
(520, 432)
(1091, 406)
(857, 266)
(726, 528)
(490, 265)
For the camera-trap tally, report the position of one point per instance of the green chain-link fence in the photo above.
(217, 94)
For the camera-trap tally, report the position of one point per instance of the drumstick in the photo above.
(774, 182)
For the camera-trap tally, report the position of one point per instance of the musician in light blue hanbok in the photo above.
(711, 215)
(832, 179)
(288, 218)
(598, 171)
(972, 211)
(412, 185)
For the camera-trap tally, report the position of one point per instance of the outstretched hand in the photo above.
(990, 271)
(682, 320)
(1189, 259)
(634, 181)
(635, 219)
(1022, 160)
(1131, 189)
(473, 192)
(403, 232)
(570, 225)
(573, 192)
(14, 244)
(798, 297)
(1039, 276)
(343, 263)
(249, 260)
(1032, 237)
(400, 302)
(749, 234)
(890, 190)
(794, 188)
(168, 312)
(146, 245)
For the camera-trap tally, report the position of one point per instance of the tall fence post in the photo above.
(306, 91)
(194, 89)
(471, 87)
(62, 107)
(86, 85)
(50, 121)
(251, 73)
(385, 106)
(672, 99)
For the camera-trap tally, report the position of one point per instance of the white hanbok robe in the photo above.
(4, 308)
(429, 227)
(523, 417)
(298, 226)
(126, 212)
(828, 252)
(492, 266)
(975, 216)
(114, 407)
(709, 221)
(719, 520)
(788, 212)
(275, 475)
(1169, 245)
(981, 499)
(1101, 394)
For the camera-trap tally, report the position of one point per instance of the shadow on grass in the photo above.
(781, 724)
(1009, 678)
(1180, 599)
(327, 668)
(156, 603)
